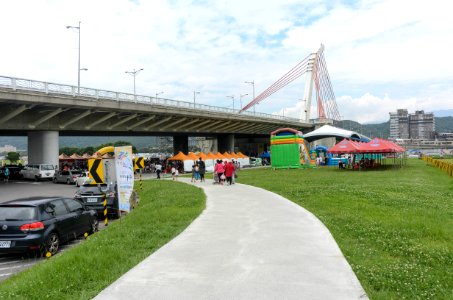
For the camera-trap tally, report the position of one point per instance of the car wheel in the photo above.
(36, 178)
(52, 243)
(67, 181)
(77, 184)
(54, 180)
(94, 226)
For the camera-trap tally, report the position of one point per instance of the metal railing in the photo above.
(20, 84)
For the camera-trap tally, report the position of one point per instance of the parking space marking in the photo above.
(16, 267)
(10, 262)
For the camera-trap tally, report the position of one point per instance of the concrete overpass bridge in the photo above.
(44, 110)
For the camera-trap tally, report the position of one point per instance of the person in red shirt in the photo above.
(229, 171)
(219, 170)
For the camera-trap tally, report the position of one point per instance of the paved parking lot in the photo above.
(15, 189)
(14, 263)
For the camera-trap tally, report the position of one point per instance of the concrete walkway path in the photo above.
(248, 244)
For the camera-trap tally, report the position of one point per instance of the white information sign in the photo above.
(124, 175)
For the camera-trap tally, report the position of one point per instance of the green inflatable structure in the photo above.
(288, 149)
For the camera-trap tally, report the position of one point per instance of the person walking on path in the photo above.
(219, 170)
(197, 171)
(202, 169)
(229, 170)
(236, 169)
(173, 172)
(194, 176)
(158, 170)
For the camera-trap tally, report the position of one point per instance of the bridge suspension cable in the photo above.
(315, 66)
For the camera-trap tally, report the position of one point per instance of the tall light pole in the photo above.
(240, 98)
(78, 60)
(157, 94)
(134, 73)
(232, 97)
(194, 93)
(253, 85)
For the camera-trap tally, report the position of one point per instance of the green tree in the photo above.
(13, 156)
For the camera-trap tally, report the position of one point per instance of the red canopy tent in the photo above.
(345, 146)
(377, 145)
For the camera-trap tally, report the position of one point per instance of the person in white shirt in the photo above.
(158, 170)
(173, 172)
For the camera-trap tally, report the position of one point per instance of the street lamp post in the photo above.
(232, 97)
(194, 93)
(253, 85)
(240, 98)
(157, 94)
(134, 73)
(78, 60)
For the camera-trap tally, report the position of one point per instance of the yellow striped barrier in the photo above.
(106, 220)
(438, 163)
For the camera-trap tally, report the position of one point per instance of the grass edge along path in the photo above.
(166, 208)
(394, 226)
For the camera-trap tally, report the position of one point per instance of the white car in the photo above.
(82, 178)
(38, 172)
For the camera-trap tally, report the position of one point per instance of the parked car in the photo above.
(38, 171)
(43, 223)
(82, 179)
(92, 196)
(69, 177)
(256, 162)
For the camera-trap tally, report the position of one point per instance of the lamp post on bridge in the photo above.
(194, 93)
(240, 98)
(78, 60)
(134, 73)
(253, 85)
(157, 94)
(232, 97)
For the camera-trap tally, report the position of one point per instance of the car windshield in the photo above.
(17, 213)
(47, 167)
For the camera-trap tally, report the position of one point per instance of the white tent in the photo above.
(331, 131)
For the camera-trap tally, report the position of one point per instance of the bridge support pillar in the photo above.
(225, 142)
(43, 147)
(181, 143)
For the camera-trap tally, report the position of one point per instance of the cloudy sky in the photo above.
(381, 54)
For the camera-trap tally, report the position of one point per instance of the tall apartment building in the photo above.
(411, 126)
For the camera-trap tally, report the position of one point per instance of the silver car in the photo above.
(68, 177)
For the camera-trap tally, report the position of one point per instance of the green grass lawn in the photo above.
(166, 209)
(394, 226)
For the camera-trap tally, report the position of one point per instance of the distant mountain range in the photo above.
(443, 113)
(20, 142)
(443, 124)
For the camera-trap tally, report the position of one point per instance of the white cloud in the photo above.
(372, 48)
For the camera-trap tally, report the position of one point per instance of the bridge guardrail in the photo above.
(70, 90)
